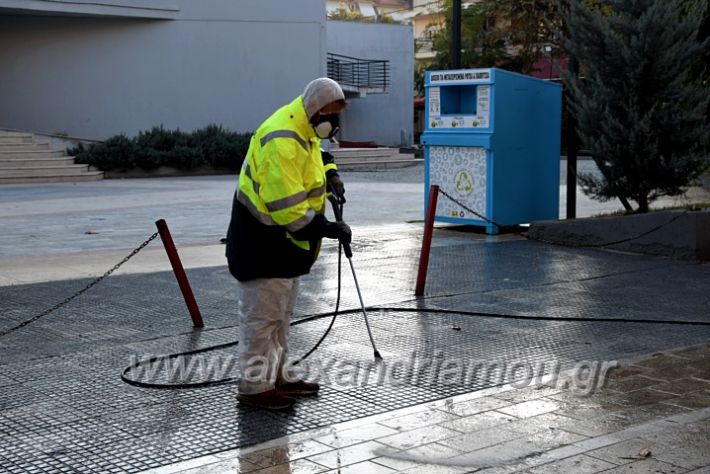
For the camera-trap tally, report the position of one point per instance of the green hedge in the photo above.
(212, 146)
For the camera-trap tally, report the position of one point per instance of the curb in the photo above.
(680, 234)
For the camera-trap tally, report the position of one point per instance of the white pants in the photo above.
(265, 309)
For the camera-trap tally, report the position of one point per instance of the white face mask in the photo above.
(327, 126)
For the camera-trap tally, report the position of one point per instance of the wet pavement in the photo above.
(538, 429)
(457, 391)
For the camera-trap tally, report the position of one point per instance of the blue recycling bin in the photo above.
(492, 141)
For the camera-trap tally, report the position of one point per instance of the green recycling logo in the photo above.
(463, 182)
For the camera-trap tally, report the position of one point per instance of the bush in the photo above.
(212, 146)
(116, 153)
(218, 147)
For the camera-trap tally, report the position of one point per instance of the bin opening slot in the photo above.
(458, 100)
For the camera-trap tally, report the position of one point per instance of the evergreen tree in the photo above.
(640, 108)
(703, 68)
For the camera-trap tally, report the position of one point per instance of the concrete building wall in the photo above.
(218, 61)
(384, 118)
(156, 9)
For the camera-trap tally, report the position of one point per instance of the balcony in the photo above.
(424, 48)
(359, 77)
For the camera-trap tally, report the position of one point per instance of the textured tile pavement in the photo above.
(504, 430)
(64, 409)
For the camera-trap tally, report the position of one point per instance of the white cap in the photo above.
(319, 93)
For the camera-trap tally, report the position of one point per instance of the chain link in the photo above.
(87, 287)
(564, 244)
(444, 193)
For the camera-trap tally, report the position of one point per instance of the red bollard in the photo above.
(426, 240)
(180, 273)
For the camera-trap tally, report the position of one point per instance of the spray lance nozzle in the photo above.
(337, 203)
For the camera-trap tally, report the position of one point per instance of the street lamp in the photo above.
(456, 35)
(548, 50)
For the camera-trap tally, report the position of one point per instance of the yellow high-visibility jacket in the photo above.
(278, 210)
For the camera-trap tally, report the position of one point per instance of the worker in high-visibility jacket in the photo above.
(274, 236)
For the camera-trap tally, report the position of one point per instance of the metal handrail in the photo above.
(372, 74)
(424, 45)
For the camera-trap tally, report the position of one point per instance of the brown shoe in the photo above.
(298, 388)
(269, 400)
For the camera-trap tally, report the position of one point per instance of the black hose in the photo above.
(335, 313)
(315, 317)
(228, 380)
(338, 209)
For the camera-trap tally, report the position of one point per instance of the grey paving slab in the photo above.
(63, 406)
(118, 214)
(580, 464)
(74, 373)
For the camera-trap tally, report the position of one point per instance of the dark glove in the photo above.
(338, 230)
(336, 184)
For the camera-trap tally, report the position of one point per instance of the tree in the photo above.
(509, 34)
(505, 33)
(525, 27)
(639, 107)
(343, 13)
(703, 68)
(479, 48)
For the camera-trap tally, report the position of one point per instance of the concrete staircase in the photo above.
(24, 158)
(367, 159)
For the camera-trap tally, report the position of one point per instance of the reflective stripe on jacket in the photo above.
(283, 179)
(282, 187)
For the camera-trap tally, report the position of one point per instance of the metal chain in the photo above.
(87, 287)
(564, 244)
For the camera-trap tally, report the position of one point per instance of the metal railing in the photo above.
(424, 45)
(370, 74)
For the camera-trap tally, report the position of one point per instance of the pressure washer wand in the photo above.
(338, 212)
